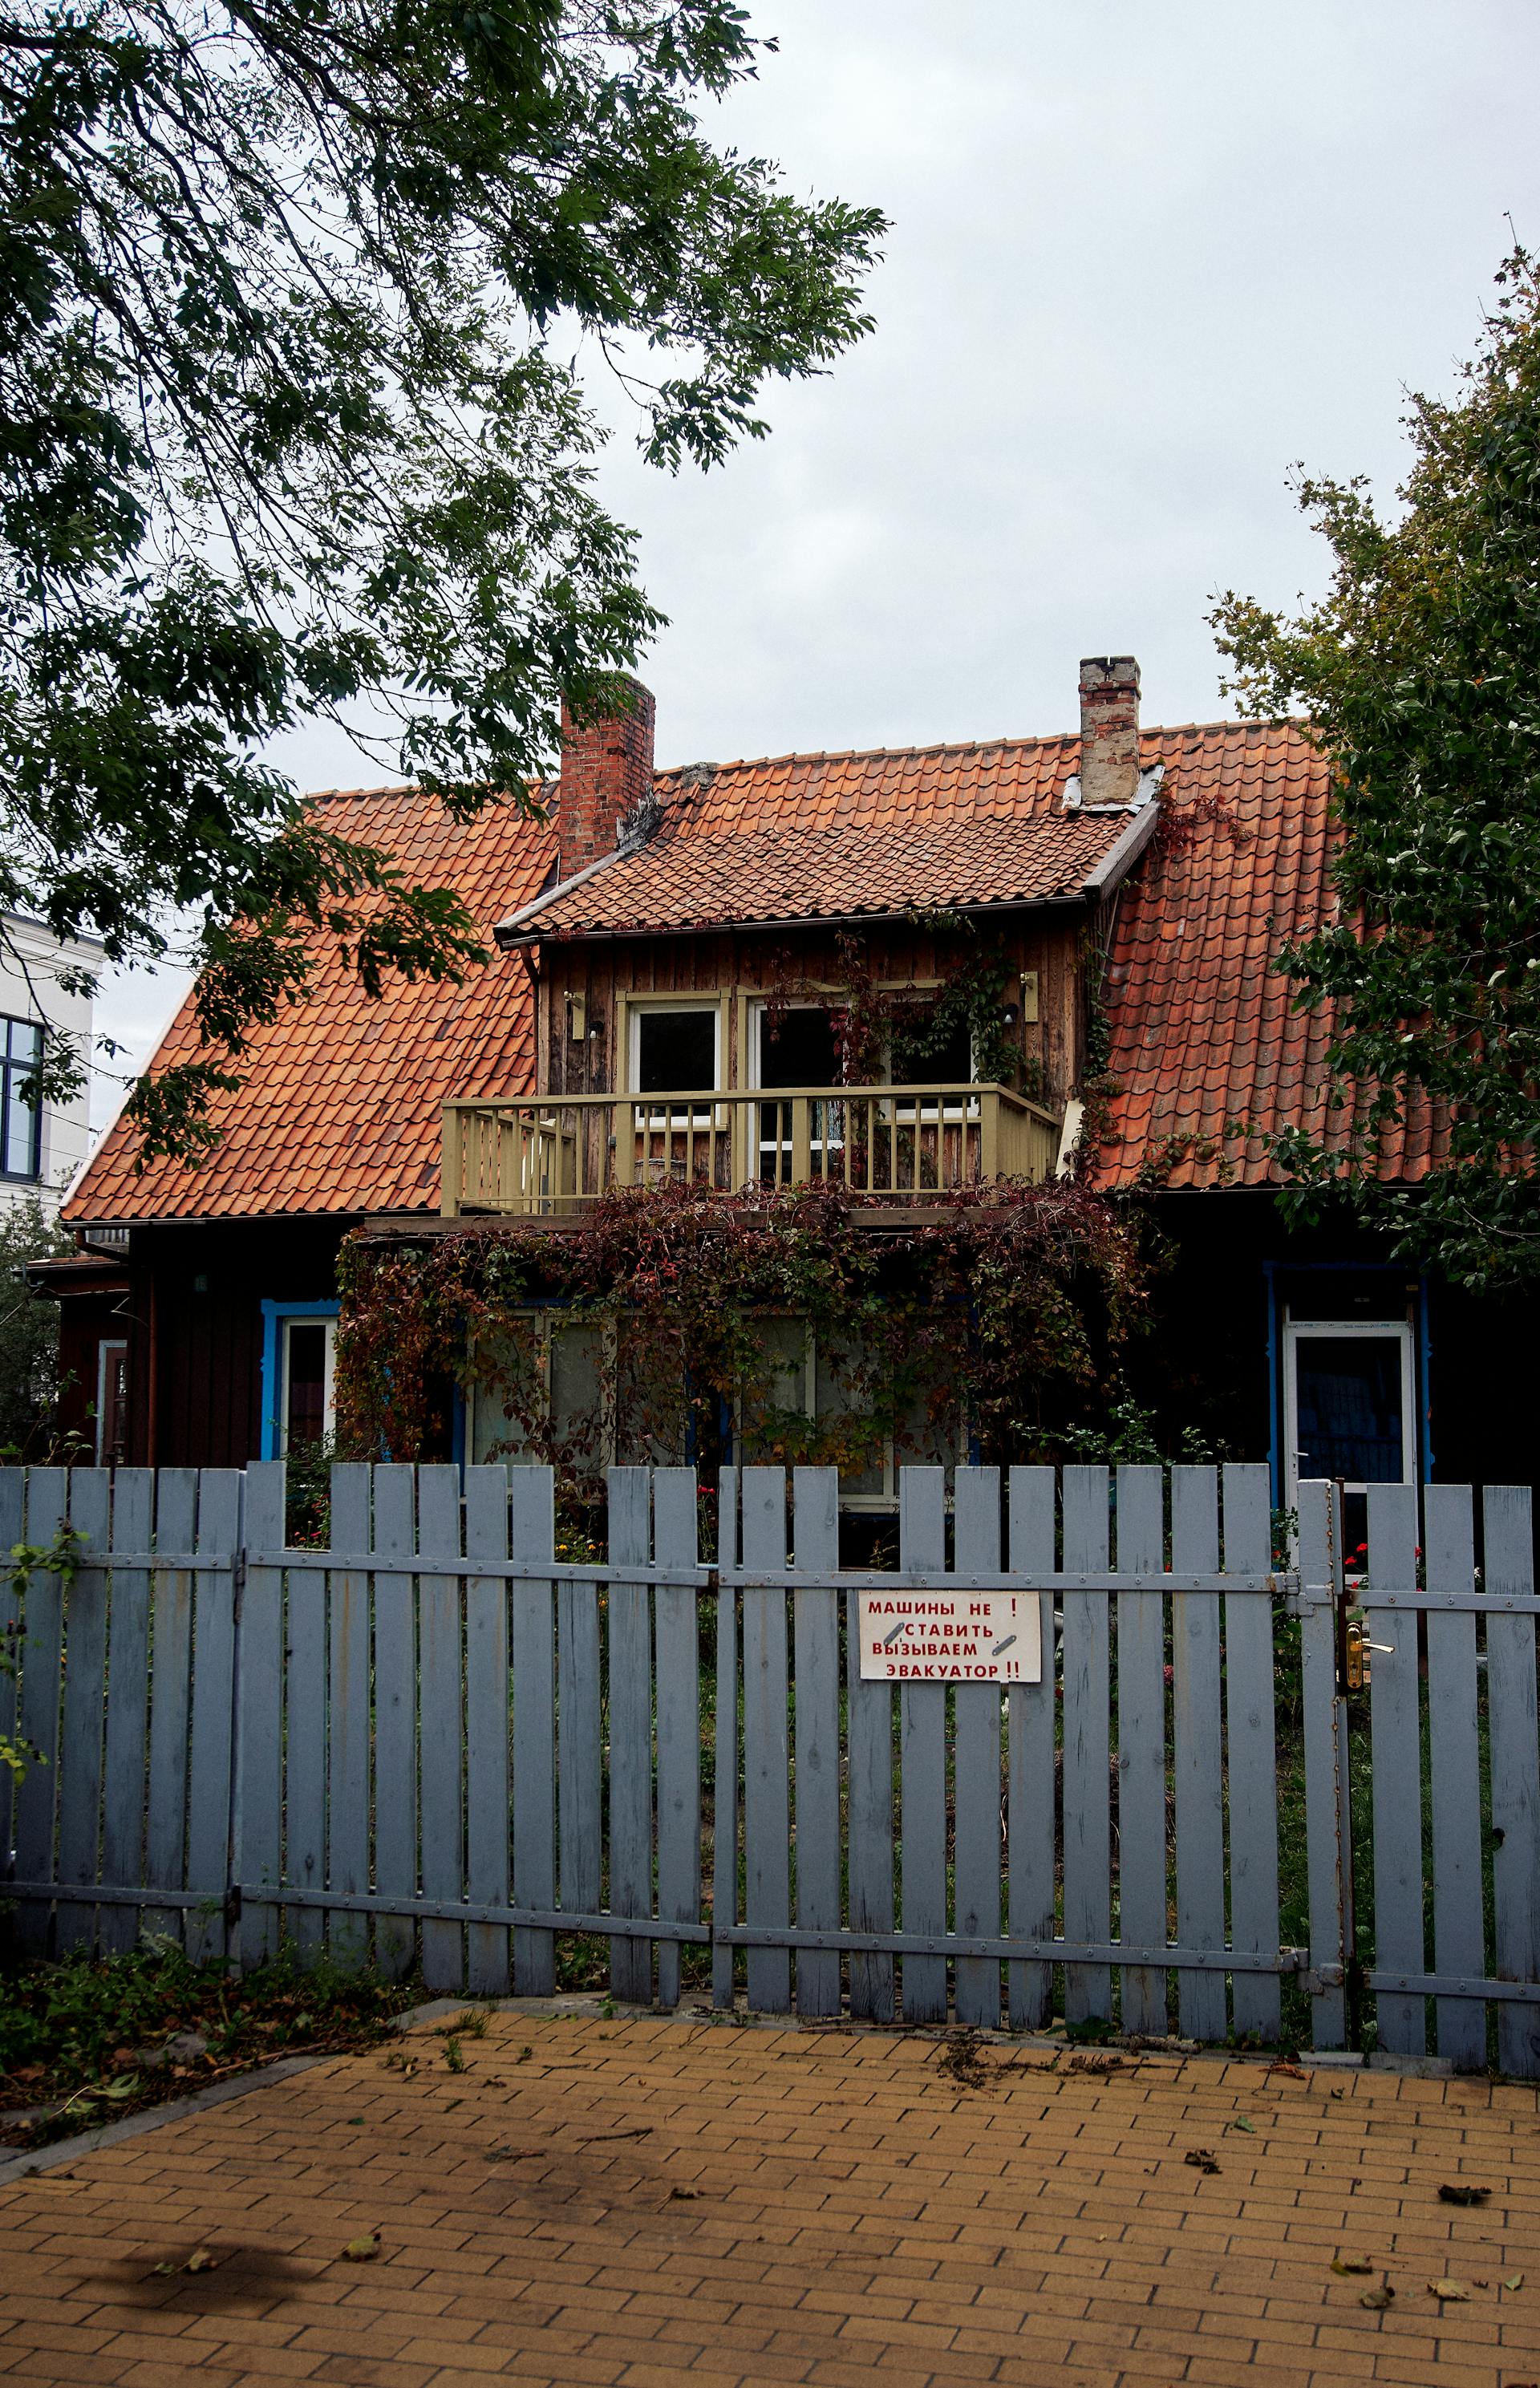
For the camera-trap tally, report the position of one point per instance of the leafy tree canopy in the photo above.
(287, 431)
(1419, 671)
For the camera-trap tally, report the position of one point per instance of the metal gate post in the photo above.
(1328, 1815)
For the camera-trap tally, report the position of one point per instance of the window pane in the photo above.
(944, 1061)
(1350, 1408)
(797, 1049)
(305, 1414)
(22, 1124)
(26, 1040)
(676, 1052)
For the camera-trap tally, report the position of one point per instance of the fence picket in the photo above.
(976, 1765)
(631, 1730)
(532, 1655)
(123, 1773)
(351, 1669)
(1251, 1748)
(395, 1713)
(724, 1799)
(441, 1697)
(815, 1543)
(1328, 1820)
(1031, 1723)
(171, 1697)
(922, 1758)
(80, 1750)
(1454, 1759)
(42, 1622)
(212, 1731)
(13, 1489)
(580, 1756)
(261, 1730)
(678, 1744)
(1508, 1573)
(1395, 1728)
(869, 1730)
(1086, 1769)
(1142, 1850)
(487, 1713)
(1198, 1760)
(767, 1811)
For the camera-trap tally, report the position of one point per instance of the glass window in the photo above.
(1349, 1397)
(20, 1119)
(946, 1060)
(796, 1048)
(307, 1411)
(111, 1403)
(676, 1050)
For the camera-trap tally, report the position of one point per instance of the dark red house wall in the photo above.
(195, 1331)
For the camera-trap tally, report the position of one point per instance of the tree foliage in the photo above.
(1419, 671)
(291, 293)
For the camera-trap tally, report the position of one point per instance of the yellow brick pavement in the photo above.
(640, 2202)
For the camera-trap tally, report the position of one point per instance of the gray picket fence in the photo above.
(444, 1739)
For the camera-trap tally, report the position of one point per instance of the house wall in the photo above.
(743, 963)
(30, 990)
(194, 1323)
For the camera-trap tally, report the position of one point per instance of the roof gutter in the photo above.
(509, 937)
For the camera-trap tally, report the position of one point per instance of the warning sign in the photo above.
(951, 1637)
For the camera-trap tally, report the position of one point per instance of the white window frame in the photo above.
(709, 999)
(328, 1380)
(758, 1005)
(1340, 1330)
(106, 1346)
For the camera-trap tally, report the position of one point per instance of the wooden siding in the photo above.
(745, 962)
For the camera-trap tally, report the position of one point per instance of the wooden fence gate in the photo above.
(444, 1739)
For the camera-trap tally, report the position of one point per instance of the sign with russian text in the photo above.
(951, 1637)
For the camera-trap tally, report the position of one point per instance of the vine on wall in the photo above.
(906, 1029)
(1011, 1310)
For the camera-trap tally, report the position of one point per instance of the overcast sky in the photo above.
(1145, 255)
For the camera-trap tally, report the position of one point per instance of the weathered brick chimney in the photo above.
(1109, 730)
(606, 780)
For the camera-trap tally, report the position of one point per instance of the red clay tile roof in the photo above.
(839, 836)
(1203, 1033)
(339, 1110)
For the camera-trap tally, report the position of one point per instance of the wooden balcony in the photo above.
(546, 1156)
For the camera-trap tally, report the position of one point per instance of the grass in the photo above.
(85, 2040)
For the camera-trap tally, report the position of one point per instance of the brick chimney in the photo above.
(606, 780)
(1109, 730)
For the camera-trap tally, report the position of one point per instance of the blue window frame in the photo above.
(297, 1373)
(20, 1119)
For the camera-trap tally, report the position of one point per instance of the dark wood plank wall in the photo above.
(194, 1331)
(1051, 944)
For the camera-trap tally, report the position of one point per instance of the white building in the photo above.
(40, 1146)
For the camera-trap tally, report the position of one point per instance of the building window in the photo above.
(111, 1403)
(1349, 1405)
(298, 1375)
(675, 1048)
(20, 1114)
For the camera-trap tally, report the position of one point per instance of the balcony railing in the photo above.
(547, 1155)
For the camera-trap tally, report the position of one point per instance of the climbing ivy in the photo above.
(1008, 1309)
